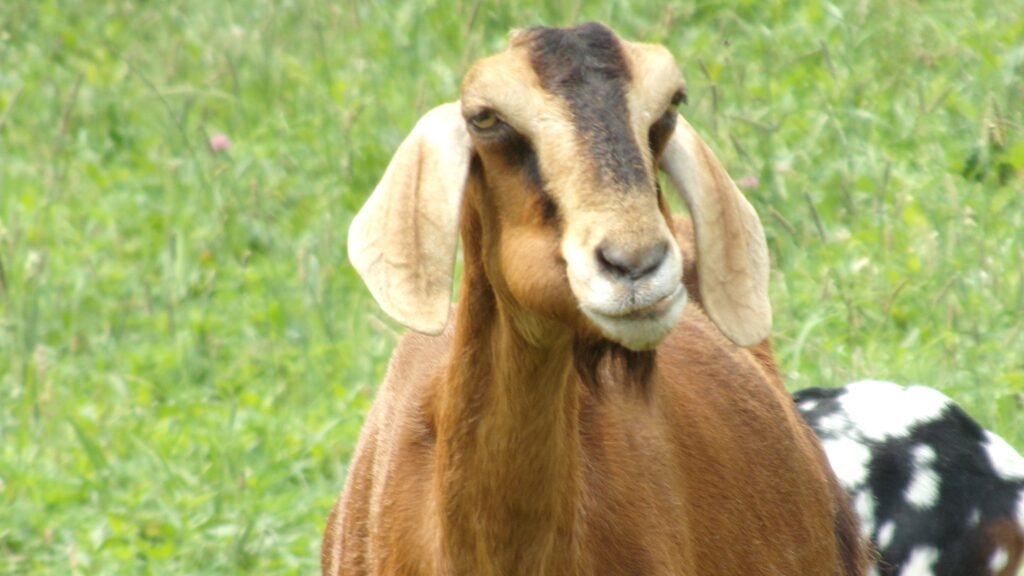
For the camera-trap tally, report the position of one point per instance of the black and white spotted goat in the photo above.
(937, 494)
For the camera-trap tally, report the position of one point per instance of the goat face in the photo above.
(567, 146)
(556, 143)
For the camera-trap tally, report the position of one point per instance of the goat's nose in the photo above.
(631, 262)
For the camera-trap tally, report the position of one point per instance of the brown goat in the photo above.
(577, 417)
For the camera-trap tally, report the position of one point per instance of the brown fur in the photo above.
(1004, 535)
(714, 474)
(521, 441)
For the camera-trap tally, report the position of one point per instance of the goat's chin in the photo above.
(644, 328)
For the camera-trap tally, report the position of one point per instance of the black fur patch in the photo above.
(585, 66)
(521, 155)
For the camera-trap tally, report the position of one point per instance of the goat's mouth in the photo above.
(639, 324)
(642, 310)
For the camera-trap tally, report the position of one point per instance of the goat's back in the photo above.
(937, 494)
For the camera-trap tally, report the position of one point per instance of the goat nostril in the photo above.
(631, 263)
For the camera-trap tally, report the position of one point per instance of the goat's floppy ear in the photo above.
(403, 241)
(732, 260)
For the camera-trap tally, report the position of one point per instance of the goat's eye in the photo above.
(661, 130)
(678, 98)
(484, 120)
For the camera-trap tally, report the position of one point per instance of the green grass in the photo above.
(185, 355)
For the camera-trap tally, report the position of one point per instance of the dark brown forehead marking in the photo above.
(585, 67)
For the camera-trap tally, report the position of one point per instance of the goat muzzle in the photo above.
(631, 289)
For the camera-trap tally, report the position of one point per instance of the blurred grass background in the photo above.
(185, 355)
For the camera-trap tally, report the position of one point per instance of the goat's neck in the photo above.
(508, 448)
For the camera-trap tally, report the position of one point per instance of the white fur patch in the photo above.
(974, 518)
(1020, 510)
(864, 504)
(923, 455)
(998, 560)
(920, 562)
(832, 425)
(1005, 460)
(883, 410)
(849, 460)
(923, 490)
(886, 533)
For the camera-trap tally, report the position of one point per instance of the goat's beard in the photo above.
(601, 361)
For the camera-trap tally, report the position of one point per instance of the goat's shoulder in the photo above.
(728, 413)
(401, 418)
(390, 461)
(697, 356)
(403, 411)
(417, 359)
(730, 396)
